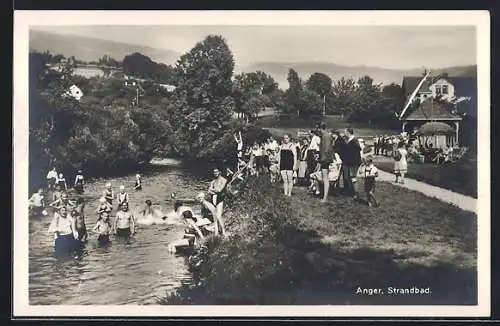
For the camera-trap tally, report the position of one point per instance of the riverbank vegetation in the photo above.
(283, 252)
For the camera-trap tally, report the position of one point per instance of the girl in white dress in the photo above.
(400, 163)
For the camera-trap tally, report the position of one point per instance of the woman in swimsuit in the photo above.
(217, 191)
(122, 196)
(79, 182)
(138, 183)
(288, 164)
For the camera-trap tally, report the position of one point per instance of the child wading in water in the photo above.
(103, 228)
(370, 173)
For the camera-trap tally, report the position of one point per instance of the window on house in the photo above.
(438, 89)
(445, 89)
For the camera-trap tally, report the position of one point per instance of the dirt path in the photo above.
(465, 202)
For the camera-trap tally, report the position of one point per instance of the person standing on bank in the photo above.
(312, 150)
(351, 161)
(287, 163)
(79, 182)
(400, 163)
(217, 190)
(325, 158)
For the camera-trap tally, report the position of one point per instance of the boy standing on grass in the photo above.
(370, 173)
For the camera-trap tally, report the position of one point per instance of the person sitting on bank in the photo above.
(36, 203)
(122, 196)
(124, 222)
(192, 234)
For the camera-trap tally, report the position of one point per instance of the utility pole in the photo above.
(137, 96)
(324, 105)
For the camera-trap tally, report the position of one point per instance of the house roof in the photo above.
(464, 87)
(430, 110)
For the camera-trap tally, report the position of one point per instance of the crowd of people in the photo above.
(321, 160)
(69, 228)
(318, 160)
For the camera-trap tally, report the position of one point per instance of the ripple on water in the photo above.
(136, 272)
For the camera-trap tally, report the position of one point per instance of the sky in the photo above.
(393, 47)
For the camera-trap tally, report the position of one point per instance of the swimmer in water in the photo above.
(37, 203)
(122, 196)
(79, 217)
(104, 206)
(108, 194)
(124, 222)
(63, 201)
(64, 229)
(79, 182)
(138, 183)
(103, 228)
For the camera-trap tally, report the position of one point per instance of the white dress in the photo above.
(401, 166)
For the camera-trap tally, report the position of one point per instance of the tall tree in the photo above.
(343, 96)
(292, 94)
(204, 92)
(320, 83)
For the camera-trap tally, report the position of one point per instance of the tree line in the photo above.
(108, 131)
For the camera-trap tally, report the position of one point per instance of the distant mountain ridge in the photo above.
(90, 49)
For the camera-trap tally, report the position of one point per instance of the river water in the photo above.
(134, 272)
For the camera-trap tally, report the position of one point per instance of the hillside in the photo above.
(279, 71)
(91, 49)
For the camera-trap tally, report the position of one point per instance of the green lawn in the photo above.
(296, 250)
(460, 177)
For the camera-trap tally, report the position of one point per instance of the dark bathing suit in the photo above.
(103, 239)
(286, 161)
(138, 185)
(79, 186)
(65, 244)
(125, 232)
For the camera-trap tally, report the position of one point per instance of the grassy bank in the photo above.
(299, 251)
(460, 177)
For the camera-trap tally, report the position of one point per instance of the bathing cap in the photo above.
(137, 175)
(122, 187)
(200, 195)
(108, 184)
(102, 200)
